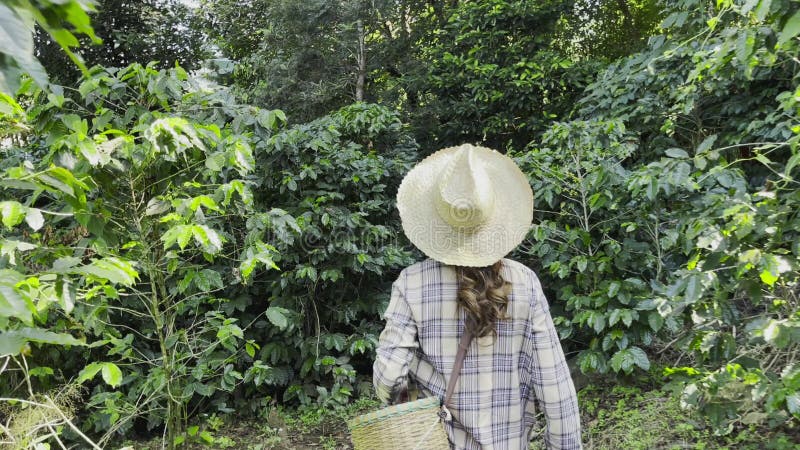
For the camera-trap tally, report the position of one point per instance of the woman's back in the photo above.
(503, 372)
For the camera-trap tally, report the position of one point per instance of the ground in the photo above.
(631, 416)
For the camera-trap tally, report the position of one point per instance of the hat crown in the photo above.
(465, 197)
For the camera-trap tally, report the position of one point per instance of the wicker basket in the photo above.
(407, 426)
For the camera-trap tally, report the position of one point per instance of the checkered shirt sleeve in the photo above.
(547, 372)
(397, 345)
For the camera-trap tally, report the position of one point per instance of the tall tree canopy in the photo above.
(132, 31)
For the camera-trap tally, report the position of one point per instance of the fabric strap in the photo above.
(463, 345)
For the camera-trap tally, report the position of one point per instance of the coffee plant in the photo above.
(141, 239)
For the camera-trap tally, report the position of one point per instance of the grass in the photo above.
(633, 416)
(640, 417)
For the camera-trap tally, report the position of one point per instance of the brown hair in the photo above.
(483, 293)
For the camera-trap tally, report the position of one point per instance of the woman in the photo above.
(466, 208)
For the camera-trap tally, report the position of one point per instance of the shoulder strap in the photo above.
(463, 345)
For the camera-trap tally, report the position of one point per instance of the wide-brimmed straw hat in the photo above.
(466, 205)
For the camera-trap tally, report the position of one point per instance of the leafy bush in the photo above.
(493, 74)
(671, 207)
(156, 209)
(337, 175)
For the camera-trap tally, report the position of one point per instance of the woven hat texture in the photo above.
(466, 205)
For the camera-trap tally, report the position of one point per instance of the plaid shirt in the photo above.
(493, 405)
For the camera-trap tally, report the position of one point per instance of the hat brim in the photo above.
(504, 229)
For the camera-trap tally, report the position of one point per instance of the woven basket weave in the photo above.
(407, 426)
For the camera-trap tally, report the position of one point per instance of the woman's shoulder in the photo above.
(426, 265)
(519, 269)
(422, 272)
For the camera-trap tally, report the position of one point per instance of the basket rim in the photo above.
(393, 411)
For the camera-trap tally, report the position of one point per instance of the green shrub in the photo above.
(669, 216)
(178, 244)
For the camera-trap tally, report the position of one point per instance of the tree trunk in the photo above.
(362, 62)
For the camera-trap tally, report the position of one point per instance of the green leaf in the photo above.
(694, 289)
(627, 317)
(791, 164)
(34, 218)
(613, 289)
(205, 201)
(12, 342)
(744, 46)
(626, 359)
(12, 213)
(597, 320)
(65, 262)
(582, 263)
(112, 269)
(207, 437)
(41, 371)
(230, 330)
(640, 358)
(258, 253)
(749, 5)
(790, 29)
(206, 390)
(213, 277)
(763, 9)
(9, 248)
(676, 153)
(112, 375)
(216, 161)
(655, 320)
(706, 144)
(243, 157)
(13, 305)
(652, 188)
(613, 318)
(768, 277)
(88, 372)
(185, 233)
(793, 403)
(772, 267)
(16, 41)
(66, 294)
(590, 362)
(207, 238)
(277, 316)
(622, 360)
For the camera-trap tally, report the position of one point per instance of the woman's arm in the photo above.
(550, 377)
(396, 346)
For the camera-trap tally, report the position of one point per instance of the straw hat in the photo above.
(466, 205)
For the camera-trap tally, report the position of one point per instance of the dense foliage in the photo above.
(141, 31)
(168, 248)
(161, 227)
(61, 20)
(670, 206)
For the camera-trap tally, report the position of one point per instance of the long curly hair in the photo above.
(483, 293)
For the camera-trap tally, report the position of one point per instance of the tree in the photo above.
(315, 57)
(132, 31)
(609, 29)
(303, 56)
(491, 75)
